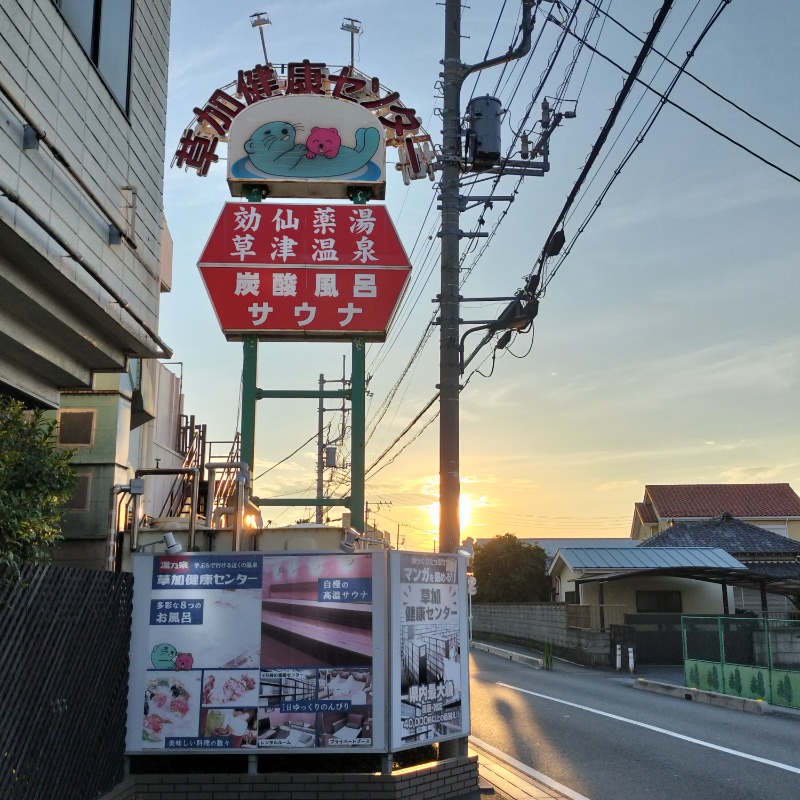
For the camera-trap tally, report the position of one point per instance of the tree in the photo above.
(36, 482)
(510, 571)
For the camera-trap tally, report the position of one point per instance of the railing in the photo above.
(225, 487)
(192, 442)
(753, 657)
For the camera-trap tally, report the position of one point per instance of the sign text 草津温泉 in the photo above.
(290, 269)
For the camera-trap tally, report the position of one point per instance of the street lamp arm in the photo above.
(526, 26)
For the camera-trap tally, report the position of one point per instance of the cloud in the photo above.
(761, 368)
(612, 486)
(694, 197)
(764, 474)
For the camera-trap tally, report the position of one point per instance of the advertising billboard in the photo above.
(257, 652)
(430, 678)
(293, 272)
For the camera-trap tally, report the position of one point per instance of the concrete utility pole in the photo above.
(453, 75)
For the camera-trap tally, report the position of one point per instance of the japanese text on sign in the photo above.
(197, 150)
(171, 572)
(351, 590)
(176, 612)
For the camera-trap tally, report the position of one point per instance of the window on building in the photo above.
(76, 428)
(103, 28)
(658, 602)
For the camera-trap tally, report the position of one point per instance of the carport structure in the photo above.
(584, 565)
(642, 593)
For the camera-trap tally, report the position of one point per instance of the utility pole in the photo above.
(453, 76)
(324, 443)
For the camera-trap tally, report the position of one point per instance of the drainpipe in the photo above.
(239, 518)
(117, 489)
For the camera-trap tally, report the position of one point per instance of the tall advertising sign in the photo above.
(430, 678)
(292, 272)
(256, 652)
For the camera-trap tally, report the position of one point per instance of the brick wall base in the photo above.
(449, 779)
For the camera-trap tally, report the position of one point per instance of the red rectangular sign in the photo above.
(283, 234)
(305, 302)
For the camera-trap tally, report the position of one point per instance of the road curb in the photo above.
(529, 661)
(700, 696)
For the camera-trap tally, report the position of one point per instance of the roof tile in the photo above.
(732, 535)
(672, 501)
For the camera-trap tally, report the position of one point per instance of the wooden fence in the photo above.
(64, 639)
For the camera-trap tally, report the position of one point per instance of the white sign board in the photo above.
(256, 652)
(430, 679)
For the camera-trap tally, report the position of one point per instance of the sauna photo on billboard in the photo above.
(316, 611)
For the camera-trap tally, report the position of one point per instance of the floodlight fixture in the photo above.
(353, 537)
(348, 544)
(170, 545)
(260, 20)
(467, 548)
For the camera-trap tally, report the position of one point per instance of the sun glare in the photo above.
(466, 506)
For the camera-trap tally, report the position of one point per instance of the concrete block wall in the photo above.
(536, 624)
(451, 779)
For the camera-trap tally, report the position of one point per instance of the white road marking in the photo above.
(535, 774)
(739, 753)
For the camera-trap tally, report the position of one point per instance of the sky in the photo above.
(667, 344)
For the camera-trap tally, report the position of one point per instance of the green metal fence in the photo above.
(750, 657)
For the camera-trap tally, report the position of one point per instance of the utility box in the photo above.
(484, 117)
(330, 456)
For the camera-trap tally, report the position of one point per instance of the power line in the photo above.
(639, 139)
(606, 130)
(702, 83)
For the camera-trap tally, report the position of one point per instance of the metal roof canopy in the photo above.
(635, 559)
(711, 564)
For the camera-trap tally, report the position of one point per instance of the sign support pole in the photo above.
(358, 445)
(249, 397)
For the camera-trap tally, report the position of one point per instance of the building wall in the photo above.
(450, 779)
(697, 597)
(112, 453)
(72, 303)
(780, 525)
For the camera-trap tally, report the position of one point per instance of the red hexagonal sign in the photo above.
(291, 271)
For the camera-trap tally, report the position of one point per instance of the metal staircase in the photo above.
(193, 443)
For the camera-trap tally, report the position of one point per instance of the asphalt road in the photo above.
(592, 732)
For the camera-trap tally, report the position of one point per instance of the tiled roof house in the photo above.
(772, 506)
(771, 559)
